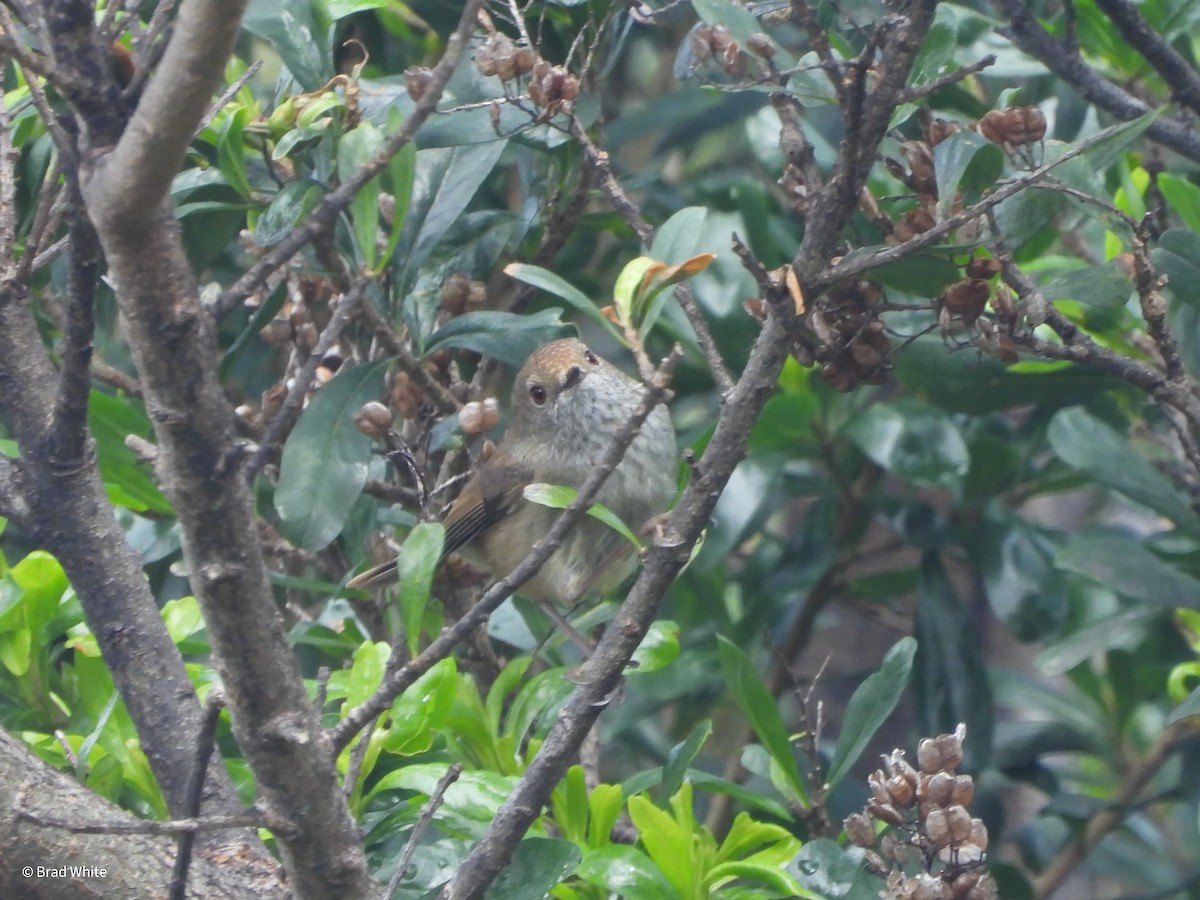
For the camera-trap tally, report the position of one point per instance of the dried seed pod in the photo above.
(966, 299)
(1014, 127)
(524, 59)
(760, 45)
(943, 753)
(455, 293)
(405, 396)
(416, 80)
(859, 830)
(307, 336)
(940, 129)
(937, 788)
(479, 416)
(277, 331)
(373, 419)
(900, 791)
(912, 223)
(983, 268)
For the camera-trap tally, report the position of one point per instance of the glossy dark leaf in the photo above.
(291, 27)
(1084, 442)
(759, 708)
(1122, 562)
(834, 872)
(1103, 287)
(913, 441)
(680, 759)
(505, 336)
(1178, 257)
(870, 705)
(325, 459)
(127, 479)
(965, 161)
(537, 865)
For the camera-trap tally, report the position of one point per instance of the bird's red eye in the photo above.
(591, 357)
(537, 394)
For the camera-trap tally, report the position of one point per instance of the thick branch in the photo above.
(135, 864)
(901, 37)
(131, 181)
(1064, 61)
(1175, 70)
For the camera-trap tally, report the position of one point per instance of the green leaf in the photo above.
(961, 382)
(1122, 563)
(626, 290)
(760, 709)
(1108, 145)
(231, 152)
(951, 676)
(659, 648)
(667, 843)
(444, 182)
(677, 237)
(366, 671)
(681, 756)
(325, 460)
(559, 496)
(1183, 197)
(1102, 287)
(355, 148)
(1125, 629)
(415, 566)
(1178, 257)
(290, 26)
(422, 710)
(505, 336)
(339, 9)
(922, 274)
(554, 284)
(916, 442)
(401, 172)
(965, 161)
(1185, 710)
(126, 477)
(1025, 589)
(625, 872)
(604, 809)
(1084, 442)
(537, 865)
(285, 211)
(869, 707)
(834, 872)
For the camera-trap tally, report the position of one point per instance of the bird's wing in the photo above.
(476, 510)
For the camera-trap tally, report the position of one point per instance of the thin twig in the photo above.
(283, 420)
(852, 267)
(228, 94)
(599, 161)
(423, 822)
(1106, 820)
(194, 791)
(921, 91)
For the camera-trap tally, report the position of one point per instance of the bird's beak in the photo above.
(574, 376)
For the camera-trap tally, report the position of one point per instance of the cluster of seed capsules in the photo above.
(916, 828)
